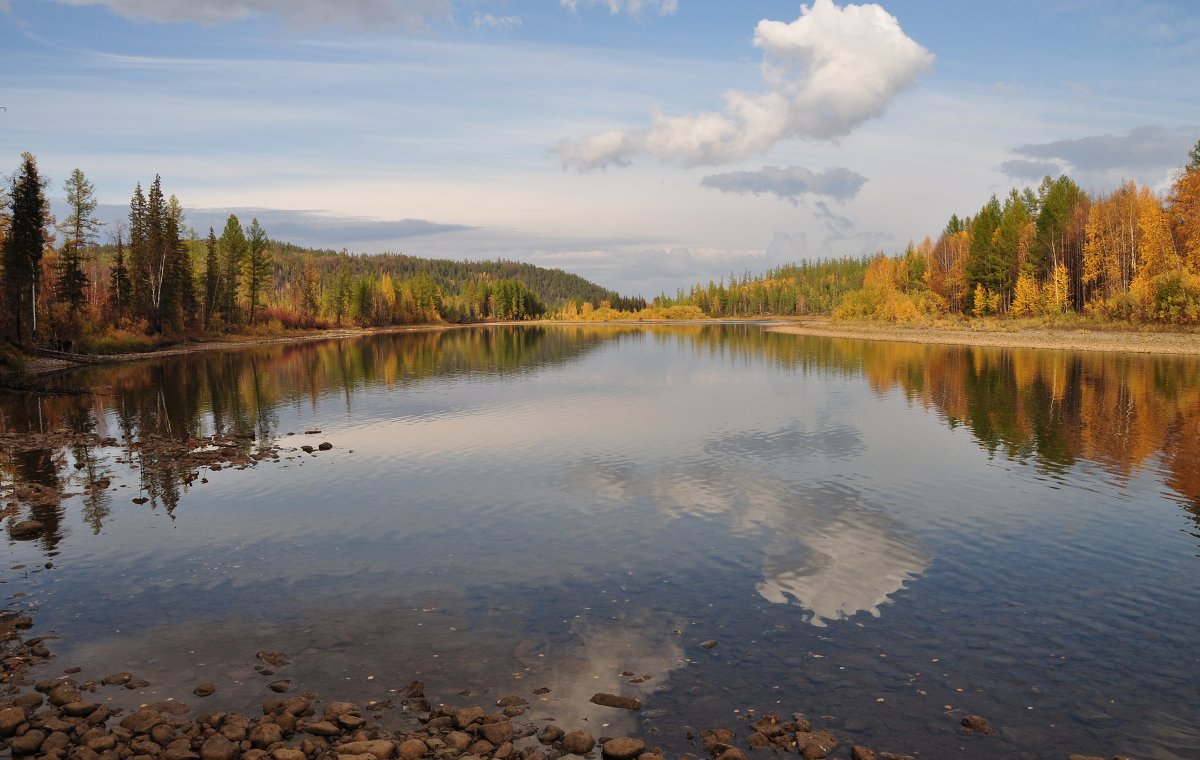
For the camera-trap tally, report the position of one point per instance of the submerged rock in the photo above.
(616, 700)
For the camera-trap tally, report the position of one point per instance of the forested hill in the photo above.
(554, 286)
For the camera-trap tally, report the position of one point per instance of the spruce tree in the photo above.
(79, 232)
(259, 266)
(212, 277)
(22, 249)
(233, 252)
(119, 292)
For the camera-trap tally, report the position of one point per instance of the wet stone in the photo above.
(617, 701)
(322, 728)
(63, 694)
(624, 748)
(497, 733)
(117, 679)
(10, 719)
(204, 690)
(141, 721)
(281, 686)
(28, 743)
(578, 742)
(550, 734)
(976, 724)
(467, 716)
(380, 748)
(411, 749)
(858, 752)
(217, 747)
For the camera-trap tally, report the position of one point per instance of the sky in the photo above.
(644, 144)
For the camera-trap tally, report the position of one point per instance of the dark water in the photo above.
(885, 537)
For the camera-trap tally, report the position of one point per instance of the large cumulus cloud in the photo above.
(825, 73)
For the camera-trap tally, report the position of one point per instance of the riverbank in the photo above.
(38, 365)
(1004, 336)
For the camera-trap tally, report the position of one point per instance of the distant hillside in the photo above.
(554, 286)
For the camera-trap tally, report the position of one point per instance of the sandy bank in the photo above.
(1047, 338)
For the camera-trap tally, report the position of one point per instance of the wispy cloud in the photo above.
(790, 183)
(413, 15)
(827, 72)
(1020, 168)
(632, 7)
(1142, 149)
(497, 23)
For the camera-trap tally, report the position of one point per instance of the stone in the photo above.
(382, 749)
(1086, 757)
(467, 716)
(481, 748)
(710, 644)
(325, 446)
(758, 741)
(10, 720)
(288, 753)
(117, 679)
(616, 700)
(217, 747)
(859, 752)
(279, 687)
(412, 749)
(79, 709)
(63, 694)
(27, 529)
(550, 734)
(510, 700)
(322, 728)
(277, 659)
(976, 724)
(816, 745)
(578, 742)
(27, 743)
(497, 733)
(623, 748)
(732, 753)
(334, 709)
(457, 740)
(264, 735)
(205, 689)
(141, 721)
(179, 753)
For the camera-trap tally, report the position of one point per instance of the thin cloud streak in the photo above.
(790, 183)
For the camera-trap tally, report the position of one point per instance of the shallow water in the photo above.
(885, 537)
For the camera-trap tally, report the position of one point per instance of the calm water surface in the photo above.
(884, 537)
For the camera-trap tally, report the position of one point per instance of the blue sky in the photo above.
(643, 143)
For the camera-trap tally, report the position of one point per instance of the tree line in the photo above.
(154, 278)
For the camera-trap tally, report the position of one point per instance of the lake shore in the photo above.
(1055, 339)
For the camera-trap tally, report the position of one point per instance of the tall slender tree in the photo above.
(79, 231)
(212, 277)
(23, 247)
(119, 288)
(233, 253)
(259, 266)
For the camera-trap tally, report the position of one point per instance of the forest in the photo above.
(155, 280)
(1048, 252)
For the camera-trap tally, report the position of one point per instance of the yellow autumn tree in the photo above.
(1183, 205)
(1027, 297)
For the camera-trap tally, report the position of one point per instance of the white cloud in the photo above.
(632, 7)
(409, 14)
(790, 182)
(498, 23)
(827, 72)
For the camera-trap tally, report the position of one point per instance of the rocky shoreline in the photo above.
(65, 718)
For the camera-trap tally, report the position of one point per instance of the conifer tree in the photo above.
(233, 253)
(259, 266)
(212, 277)
(23, 246)
(119, 287)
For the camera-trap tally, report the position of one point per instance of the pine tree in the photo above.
(23, 248)
(139, 254)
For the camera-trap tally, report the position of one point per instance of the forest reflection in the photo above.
(169, 420)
